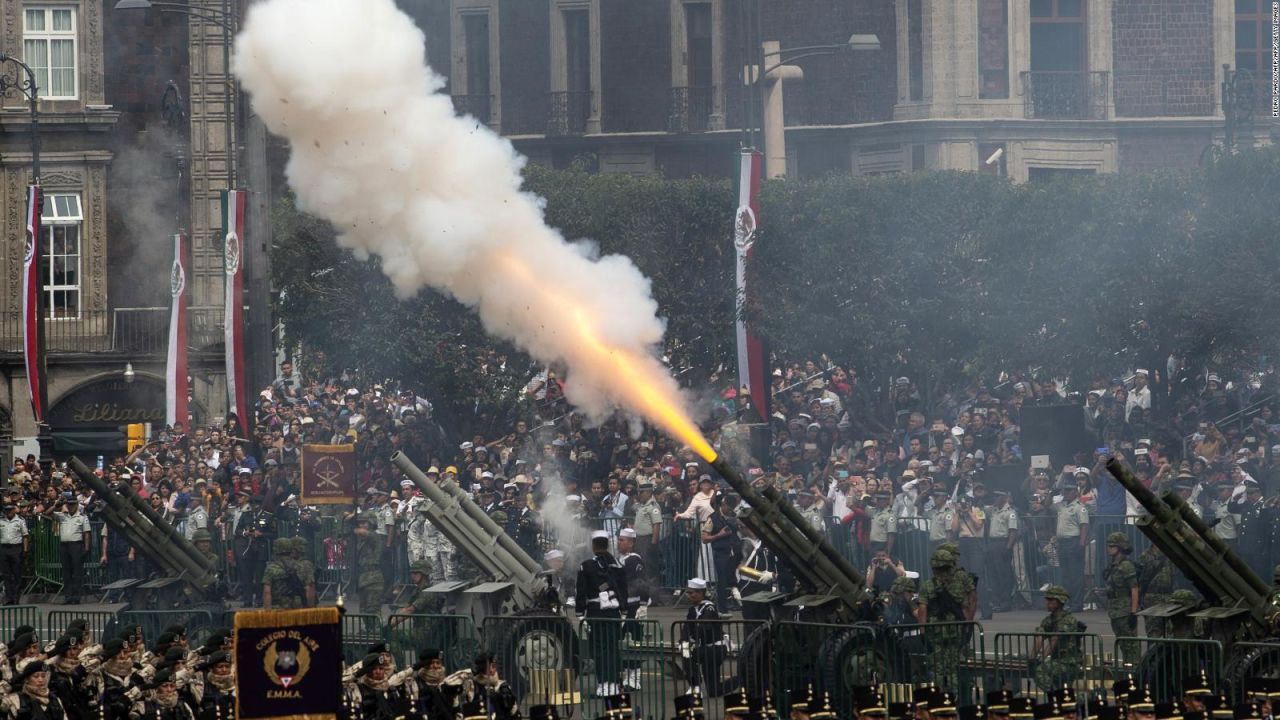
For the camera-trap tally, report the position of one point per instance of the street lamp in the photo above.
(772, 119)
(26, 86)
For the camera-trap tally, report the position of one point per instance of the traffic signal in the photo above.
(136, 437)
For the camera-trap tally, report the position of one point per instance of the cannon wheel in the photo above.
(1251, 662)
(543, 645)
(754, 662)
(846, 661)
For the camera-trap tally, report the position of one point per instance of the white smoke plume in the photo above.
(377, 151)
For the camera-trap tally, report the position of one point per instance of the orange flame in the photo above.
(635, 384)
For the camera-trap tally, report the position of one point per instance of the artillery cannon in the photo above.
(189, 579)
(1242, 608)
(545, 644)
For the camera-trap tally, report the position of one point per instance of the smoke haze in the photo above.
(377, 151)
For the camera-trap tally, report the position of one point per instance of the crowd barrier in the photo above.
(1033, 663)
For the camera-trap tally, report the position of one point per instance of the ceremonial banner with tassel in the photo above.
(328, 475)
(233, 202)
(288, 664)
(175, 388)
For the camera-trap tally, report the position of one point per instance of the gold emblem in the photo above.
(286, 667)
(328, 469)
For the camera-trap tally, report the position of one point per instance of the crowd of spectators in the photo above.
(879, 465)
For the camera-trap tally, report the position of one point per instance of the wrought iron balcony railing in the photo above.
(568, 113)
(127, 331)
(690, 109)
(1068, 95)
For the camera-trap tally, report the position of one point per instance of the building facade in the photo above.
(1056, 86)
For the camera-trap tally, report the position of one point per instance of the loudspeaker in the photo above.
(1057, 431)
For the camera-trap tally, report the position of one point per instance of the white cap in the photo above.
(599, 535)
(486, 474)
(406, 483)
(627, 533)
(245, 471)
(911, 574)
(1140, 371)
(1141, 451)
(696, 584)
(1145, 441)
(573, 498)
(553, 555)
(465, 446)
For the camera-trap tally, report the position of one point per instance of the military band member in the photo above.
(601, 593)
(69, 681)
(431, 698)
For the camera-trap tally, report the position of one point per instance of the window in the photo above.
(60, 224)
(993, 49)
(577, 35)
(1057, 36)
(49, 47)
(475, 38)
(1253, 36)
(697, 23)
(915, 49)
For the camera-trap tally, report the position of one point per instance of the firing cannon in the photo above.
(1241, 609)
(542, 644)
(189, 579)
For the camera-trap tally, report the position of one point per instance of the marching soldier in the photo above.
(1155, 582)
(69, 680)
(120, 687)
(702, 643)
(432, 698)
(1121, 581)
(13, 547)
(288, 582)
(490, 690)
(1058, 658)
(1196, 692)
(368, 566)
(1002, 537)
(371, 679)
(601, 593)
(218, 699)
(33, 699)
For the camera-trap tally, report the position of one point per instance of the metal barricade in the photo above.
(949, 654)
(622, 655)
(199, 623)
(330, 557)
(455, 636)
(538, 656)
(359, 631)
(1165, 662)
(679, 550)
(1250, 660)
(97, 622)
(720, 656)
(13, 617)
(1034, 663)
(46, 558)
(827, 658)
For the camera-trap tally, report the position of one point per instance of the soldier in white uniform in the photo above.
(13, 546)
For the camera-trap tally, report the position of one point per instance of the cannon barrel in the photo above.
(476, 534)
(146, 530)
(792, 539)
(1192, 546)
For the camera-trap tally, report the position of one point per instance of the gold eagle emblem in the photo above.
(286, 667)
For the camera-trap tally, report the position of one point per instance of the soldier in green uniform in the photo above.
(884, 528)
(1121, 582)
(369, 581)
(423, 602)
(950, 596)
(1182, 625)
(1057, 658)
(1155, 582)
(288, 582)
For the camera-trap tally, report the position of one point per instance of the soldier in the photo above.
(197, 517)
(1196, 692)
(33, 699)
(1254, 531)
(997, 704)
(439, 549)
(1071, 536)
(1121, 582)
(601, 595)
(798, 701)
(288, 583)
(73, 530)
(218, 700)
(720, 534)
(1057, 658)
(1065, 698)
(423, 602)
(638, 599)
(969, 529)
(1155, 582)
(648, 527)
(69, 681)
(702, 641)
(1225, 522)
(950, 596)
(758, 559)
(1002, 537)
(941, 517)
(203, 541)
(884, 527)
(416, 526)
(368, 567)
(526, 525)
(253, 530)
(120, 686)
(432, 698)
(371, 678)
(1140, 705)
(900, 603)
(491, 691)
(13, 547)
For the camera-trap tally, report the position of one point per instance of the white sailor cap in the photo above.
(553, 555)
(627, 533)
(696, 584)
(599, 535)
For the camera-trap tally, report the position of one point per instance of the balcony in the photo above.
(690, 109)
(1166, 92)
(125, 331)
(479, 107)
(1065, 95)
(568, 113)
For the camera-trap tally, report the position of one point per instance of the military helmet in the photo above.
(300, 546)
(498, 516)
(1275, 574)
(1119, 540)
(1183, 597)
(1059, 593)
(942, 558)
(420, 566)
(902, 584)
(201, 535)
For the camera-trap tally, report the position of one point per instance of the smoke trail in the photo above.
(380, 154)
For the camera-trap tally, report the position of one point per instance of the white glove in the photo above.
(642, 612)
(685, 650)
(133, 694)
(571, 602)
(766, 577)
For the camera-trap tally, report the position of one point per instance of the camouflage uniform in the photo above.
(1062, 665)
(288, 576)
(1155, 582)
(416, 530)
(369, 577)
(1120, 577)
(945, 595)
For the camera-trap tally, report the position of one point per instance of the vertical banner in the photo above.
(175, 387)
(751, 360)
(233, 308)
(288, 664)
(328, 475)
(31, 288)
